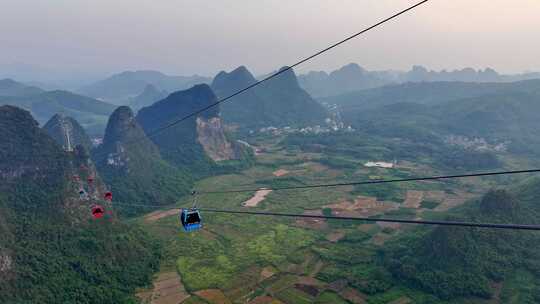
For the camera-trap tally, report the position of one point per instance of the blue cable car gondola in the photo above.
(191, 219)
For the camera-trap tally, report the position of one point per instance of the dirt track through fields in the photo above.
(258, 197)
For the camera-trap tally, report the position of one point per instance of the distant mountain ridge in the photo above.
(120, 87)
(501, 113)
(352, 77)
(10, 87)
(91, 113)
(423, 93)
(278, 102)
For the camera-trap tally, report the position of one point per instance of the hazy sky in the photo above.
(205, 36)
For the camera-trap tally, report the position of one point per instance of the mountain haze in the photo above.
(119, 87)
(9, 87)
(91, 113)
(352, 77)
(150, 95)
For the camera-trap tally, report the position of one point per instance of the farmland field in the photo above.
(260, 259)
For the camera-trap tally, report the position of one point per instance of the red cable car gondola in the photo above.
(98, 211)
(108, 196)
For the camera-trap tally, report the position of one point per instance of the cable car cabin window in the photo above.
(193, 218)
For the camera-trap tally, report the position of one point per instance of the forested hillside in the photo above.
(51, 251)
(132, 166)
(455, 262)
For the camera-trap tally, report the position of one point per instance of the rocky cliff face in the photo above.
(6, 262)
(211, 136)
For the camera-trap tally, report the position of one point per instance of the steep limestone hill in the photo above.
(59, 127)
(195, 143)
(51, 251)
(277, 102)
(132, 166)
